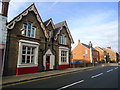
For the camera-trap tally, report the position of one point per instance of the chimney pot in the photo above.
(78, 41)
(109, 47)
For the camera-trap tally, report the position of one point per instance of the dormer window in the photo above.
(29, 30)
(62, 39)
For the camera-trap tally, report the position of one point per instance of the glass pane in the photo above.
(28, 59)
(33, 31)
(33, 49)
(23, 59)
(29, 32)
(23, 50)
(25, 26)
(29, 26)
(32, 59)
(28, 50)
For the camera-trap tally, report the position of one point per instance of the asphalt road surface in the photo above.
(103, 77)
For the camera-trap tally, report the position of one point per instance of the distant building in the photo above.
(111, 53)
(101, 53)
(85, 53)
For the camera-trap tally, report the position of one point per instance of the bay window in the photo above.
(63, 56)
(28, 53)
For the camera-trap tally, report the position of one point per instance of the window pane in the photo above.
(28, 59)
(23, 59)
(29, 26)
(32, 59)
(28, 50)
(23, 50)
(25, 28)
(33, 49)
(29, 31)
(33, 32)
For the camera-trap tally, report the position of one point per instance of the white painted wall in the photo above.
(3, 29)
(52, 59)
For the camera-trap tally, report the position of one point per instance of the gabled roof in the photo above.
(32, 7)
(88, 46)
(101, 48)
(58, 28)
(47, 22)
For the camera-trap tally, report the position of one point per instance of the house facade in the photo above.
(111, 53)
(101, 53)
(85, 53)
(34, 45)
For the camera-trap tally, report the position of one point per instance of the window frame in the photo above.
(27, 43)
(62, 39)
(61, 48)
(31, 31)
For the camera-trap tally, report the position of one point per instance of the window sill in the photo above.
(27, 65)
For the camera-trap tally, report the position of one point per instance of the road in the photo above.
(103, 77)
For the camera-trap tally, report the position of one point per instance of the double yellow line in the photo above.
(3, 86)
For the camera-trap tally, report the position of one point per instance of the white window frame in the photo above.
(62, 39)
(61, 48)
(30, 30)
(29, 44)
(63, 56)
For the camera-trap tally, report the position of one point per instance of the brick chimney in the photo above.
(79, 41)
(90, 44)
(5, 5)
(109, 47)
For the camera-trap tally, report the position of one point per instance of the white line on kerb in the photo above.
(110, 70)
(71, 84)
(96, 75)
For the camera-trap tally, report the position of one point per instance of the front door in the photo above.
(47, 62)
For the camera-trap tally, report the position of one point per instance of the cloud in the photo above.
(97, 28)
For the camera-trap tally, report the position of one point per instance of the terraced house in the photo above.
(85, 53)
(34, 45)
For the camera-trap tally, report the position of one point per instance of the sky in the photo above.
(88, 21)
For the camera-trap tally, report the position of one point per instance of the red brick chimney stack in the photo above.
(79, 41)
(90, 44)
(109, 47)
(5, 5)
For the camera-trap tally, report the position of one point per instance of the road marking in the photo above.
(110, 70)
(71, 84)
(96, 75)
(116, 68)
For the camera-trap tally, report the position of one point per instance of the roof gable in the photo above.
(88, 46)
(58, 28)
(47, 22)
(18, 18)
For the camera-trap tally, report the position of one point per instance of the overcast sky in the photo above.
(87, 21)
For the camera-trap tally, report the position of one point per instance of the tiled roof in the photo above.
(46, 22)
(59, 26)
(101, 48)
(88, 46)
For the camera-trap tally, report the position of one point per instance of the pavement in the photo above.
(26, 77)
